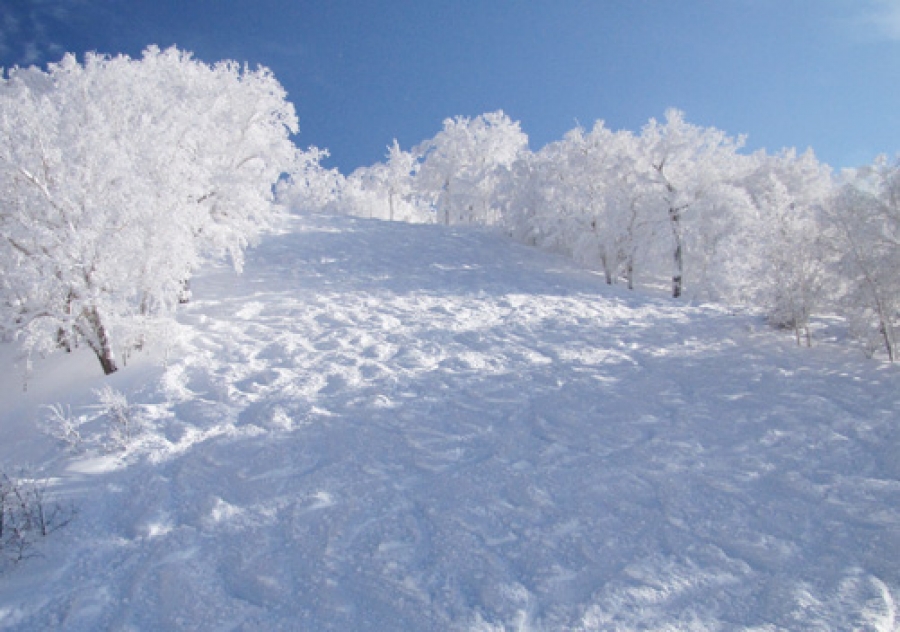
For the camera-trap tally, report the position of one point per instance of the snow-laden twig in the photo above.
(62, 425)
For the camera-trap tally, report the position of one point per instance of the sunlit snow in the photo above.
(383, 426)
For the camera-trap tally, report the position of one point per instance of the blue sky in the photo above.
(788, 73)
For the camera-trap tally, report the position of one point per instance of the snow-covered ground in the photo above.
(393, 427)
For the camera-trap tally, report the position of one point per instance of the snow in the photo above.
(383, 426)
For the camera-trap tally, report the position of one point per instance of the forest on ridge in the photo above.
(119, 177)
(674, 204)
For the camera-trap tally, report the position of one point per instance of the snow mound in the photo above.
(395, 427)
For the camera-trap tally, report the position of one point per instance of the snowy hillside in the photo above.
(394, 427)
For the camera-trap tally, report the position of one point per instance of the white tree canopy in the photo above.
(864, 221)
(118, 176)
(459, 165)
(787, 253)
(691, 173)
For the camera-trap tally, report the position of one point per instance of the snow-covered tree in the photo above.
(518, 197)
(308, 185)
(459, 165)
(690, 174)
(865, 226)
(118, 177)
(788, 257)
(385, 190)
(397, 177)
(628, 203)
(534, 190)
(611, 227)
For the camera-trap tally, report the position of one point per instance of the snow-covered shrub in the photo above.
(27, 514)
(62, 425)
(123, 419)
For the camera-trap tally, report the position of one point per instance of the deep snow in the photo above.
(393, 427)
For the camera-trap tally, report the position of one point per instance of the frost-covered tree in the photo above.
(459, 169)
(118, 177)
(789, 259)
(582, 170)
(667, 198)
(386, 190)
(611, 226)
(535, 192)
(629, 203)
(864, 219)
(308, 185)
(519, 198)
(397, 178)
(689, 174)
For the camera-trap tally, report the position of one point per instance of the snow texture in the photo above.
(395, 427)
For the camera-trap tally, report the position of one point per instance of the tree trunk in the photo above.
(888, 343)
(447, 208)
(62, 336)
(604, 257)
(886, 328)
(98, 339)
(62, 340)
(184, 296)
(678, 256)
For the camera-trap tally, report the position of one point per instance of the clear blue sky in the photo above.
(801, 73)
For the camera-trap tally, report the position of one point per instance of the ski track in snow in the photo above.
(392, 427)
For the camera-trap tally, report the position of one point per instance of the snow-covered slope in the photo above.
(392, 427)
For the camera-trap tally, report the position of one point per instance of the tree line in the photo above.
(673, 204)
(120, 177)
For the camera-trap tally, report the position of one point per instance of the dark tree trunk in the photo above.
(887, 331)
(98, 339)
(63, 339)
(447, 206)
(184, 297)
(675, 222)
(677, 276)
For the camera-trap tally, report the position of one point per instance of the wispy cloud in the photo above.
(880, 19)
(27, 27)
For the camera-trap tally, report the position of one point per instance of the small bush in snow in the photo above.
(26, 515)
(63, 426)
(123, 418)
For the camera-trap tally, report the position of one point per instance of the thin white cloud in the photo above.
(26, 30)
(30, 54)
(881, 19)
